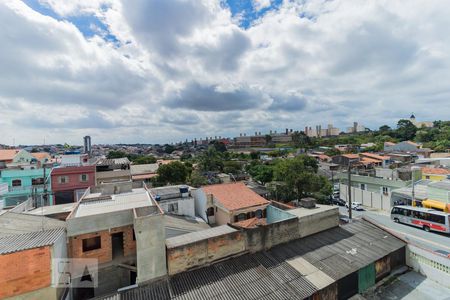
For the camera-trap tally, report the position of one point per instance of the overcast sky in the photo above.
(160, 71)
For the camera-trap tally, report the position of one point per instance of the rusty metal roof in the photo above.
(295, 270)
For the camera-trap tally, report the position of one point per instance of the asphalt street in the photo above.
(428, 240)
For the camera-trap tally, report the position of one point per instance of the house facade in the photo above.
(23, 184)
(69, 183)
(229, 203)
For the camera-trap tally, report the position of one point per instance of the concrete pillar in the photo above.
(150, 247)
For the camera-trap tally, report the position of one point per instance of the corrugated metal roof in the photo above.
(19, 242)
(330, 255)
(17, 223)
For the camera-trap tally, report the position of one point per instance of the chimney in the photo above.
(291, 130)
(240, 134)
(271, 132)
(256, 133)
(287, 131)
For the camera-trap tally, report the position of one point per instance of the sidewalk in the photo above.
(409, 286)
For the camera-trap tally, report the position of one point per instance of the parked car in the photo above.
(337, 201)
(355, 206)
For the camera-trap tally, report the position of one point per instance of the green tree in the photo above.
(301, 140)
(332, 152)
(197, 179)
(174, 173)
(146, 159)
(262, 173)
(406, 130)
(299, 176)
(210, 160)
(255, 154)
(232, 166)
(116, 154)
(169, 148)
(219, 146)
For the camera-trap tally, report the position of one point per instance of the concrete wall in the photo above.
(200, 203)
(315, 223)
(266, 237)
(150, 246)
(370, 199)
(429, 264)
(222, 217)
(186, 206)
(99, 222)
(205, 251)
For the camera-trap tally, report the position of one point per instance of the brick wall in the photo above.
(104, 254)
(24, 271)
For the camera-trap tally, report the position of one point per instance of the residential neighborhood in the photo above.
(224, 150)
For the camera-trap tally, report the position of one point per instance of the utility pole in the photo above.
(349, 192)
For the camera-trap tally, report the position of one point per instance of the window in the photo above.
(63, 179)
(427, 177)
(92, 244)
(259, 214)
(240, 217)
(37, 181)
(210, 211)
(385, 190)
(134, 235)
(17, 182)
(84, 177)
(363, 186)
(173, 207)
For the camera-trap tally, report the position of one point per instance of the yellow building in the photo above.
(435, 174)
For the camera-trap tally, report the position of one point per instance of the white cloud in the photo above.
(261, 4)
(184, 68)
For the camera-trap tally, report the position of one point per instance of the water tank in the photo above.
(158, 198)
(184, 191)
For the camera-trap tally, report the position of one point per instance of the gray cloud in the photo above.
(288, 103)
(200, 97)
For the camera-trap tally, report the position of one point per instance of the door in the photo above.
(117, 244)
(366, 277)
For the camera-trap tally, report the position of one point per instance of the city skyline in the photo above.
(125, 74)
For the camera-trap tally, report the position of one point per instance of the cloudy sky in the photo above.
(160, 71)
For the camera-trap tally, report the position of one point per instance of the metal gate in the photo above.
(366, 277)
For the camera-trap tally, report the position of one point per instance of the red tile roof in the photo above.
(8, 154)
(251, 223)
(351, 156)
(367, 160)
(235, 196)
(435, 171)
(375, 156)
(41, 155)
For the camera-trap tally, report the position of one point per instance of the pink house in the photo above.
(70, 183)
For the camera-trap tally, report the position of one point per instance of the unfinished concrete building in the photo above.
(122, 227)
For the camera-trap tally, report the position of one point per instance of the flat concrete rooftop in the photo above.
(96, 203)
(304, 212)
(52, 209)
(198, 236)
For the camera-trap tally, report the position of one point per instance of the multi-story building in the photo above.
(356, 128)
(15, 158)
(87, 145)
(175, 200)
(123, 228)
(70, 183)
(318, 131)
(24, 183)
(426, 124)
